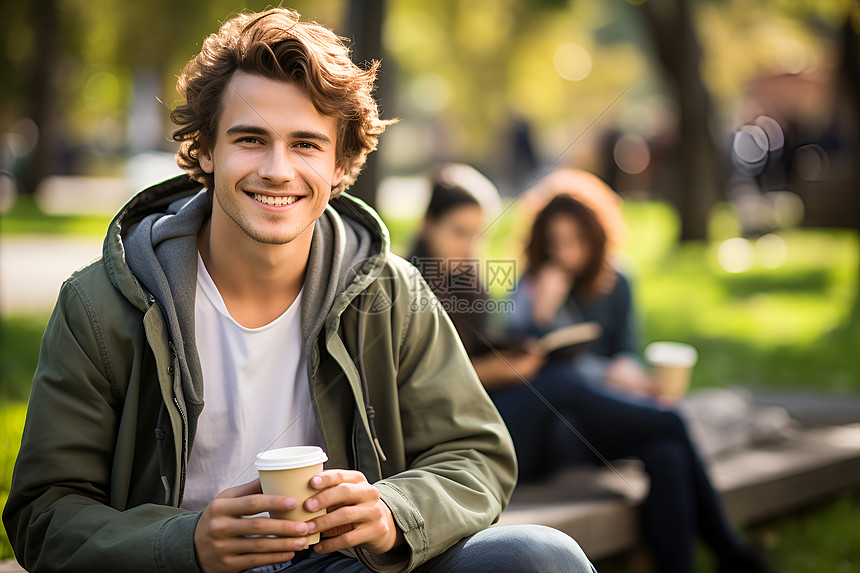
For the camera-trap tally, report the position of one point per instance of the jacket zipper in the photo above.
(182, 461)
(182, 468)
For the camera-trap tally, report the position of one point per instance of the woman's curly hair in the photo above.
(276, 45)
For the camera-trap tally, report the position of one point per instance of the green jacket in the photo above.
(112, 414)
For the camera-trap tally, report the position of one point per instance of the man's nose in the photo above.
(278, 164)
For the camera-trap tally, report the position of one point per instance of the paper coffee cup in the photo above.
(671, 366)
(288, 471)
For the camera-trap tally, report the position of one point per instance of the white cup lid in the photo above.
(290, 458)
(671, 354)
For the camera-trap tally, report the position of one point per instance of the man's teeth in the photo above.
(276, 201)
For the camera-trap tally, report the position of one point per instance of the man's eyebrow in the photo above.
(298, 134)
(247, 129)
(308, 134)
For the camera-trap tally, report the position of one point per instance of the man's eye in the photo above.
(306, 145)
(252, 140)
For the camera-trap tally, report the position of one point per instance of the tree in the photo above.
(697, 180)
(849, 93)
(365, 24)
(43, 101)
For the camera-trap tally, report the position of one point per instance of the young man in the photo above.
(255, 286)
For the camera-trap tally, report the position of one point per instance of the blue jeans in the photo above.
(520, 548)
(681, 501)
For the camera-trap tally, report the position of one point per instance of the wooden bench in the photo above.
(598, 508)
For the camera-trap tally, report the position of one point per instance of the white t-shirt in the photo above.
(255, 390)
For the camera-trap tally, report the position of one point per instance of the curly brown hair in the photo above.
(538, 250)
(276, 45)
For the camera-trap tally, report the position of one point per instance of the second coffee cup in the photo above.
(671, 366)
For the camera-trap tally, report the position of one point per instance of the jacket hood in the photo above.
(151, 256)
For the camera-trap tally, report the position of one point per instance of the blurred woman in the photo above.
(445, 253)
(568, 280)
(542, 401)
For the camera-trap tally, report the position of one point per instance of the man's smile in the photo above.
(275, 200)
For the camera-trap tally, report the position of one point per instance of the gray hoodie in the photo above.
(162, 253)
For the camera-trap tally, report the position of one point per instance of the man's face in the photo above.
(273, 160)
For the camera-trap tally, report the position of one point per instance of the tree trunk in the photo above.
(42, 94)
(696, 175)
(849, 94)
(365, 23)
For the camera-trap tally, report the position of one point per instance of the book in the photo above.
(569, 340)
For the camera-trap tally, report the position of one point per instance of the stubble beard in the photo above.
(272, 235)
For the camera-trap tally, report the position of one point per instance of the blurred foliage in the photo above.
(468, 68)
(102, 44)
(474, 66)
(471, 67)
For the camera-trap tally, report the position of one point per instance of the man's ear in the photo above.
(204, 157)
(337, 176)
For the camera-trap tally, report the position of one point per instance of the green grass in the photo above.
(787, 327)
(25, 218)
(20, 338)
(822, 538)
(11, 426)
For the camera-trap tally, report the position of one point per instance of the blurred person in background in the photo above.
(568, 280)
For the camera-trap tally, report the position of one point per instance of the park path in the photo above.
(32, 268)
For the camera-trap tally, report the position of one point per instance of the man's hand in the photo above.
(221, 541)
(350, 500)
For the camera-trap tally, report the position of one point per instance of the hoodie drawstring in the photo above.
(160, 435)
(365, 390)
